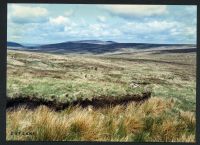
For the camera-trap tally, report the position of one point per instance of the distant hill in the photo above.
(96, 46)
(93, 46)
(14, 44)
(94, 42)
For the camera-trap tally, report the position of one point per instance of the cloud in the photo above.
(191, 9)
(69, 13)
(26, 14)
(186, 31)
(100, 30)
(150, 26)
(16, 37)
(60, 20)
(101, 18)
(160, 31)
(136, 10)
(26, 21)
(98, 27)
(61, 24)
(191, 31)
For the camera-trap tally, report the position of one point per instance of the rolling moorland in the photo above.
(131, 92)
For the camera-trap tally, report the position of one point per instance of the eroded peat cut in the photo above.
(96, 102)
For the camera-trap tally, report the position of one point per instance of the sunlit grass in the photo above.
(147, 122)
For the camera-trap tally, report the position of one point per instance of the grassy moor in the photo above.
(168, 113)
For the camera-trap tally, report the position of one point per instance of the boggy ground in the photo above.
(169, 115)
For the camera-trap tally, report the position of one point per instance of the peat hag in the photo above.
(96, 102)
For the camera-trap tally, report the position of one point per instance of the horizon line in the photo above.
(25, 43)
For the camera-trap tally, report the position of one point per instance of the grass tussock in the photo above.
(154, 120)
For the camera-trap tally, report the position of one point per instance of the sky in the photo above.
(54, 23)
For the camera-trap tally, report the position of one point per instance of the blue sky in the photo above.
(52, 23)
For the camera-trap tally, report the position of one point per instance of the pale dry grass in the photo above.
(146, 122)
